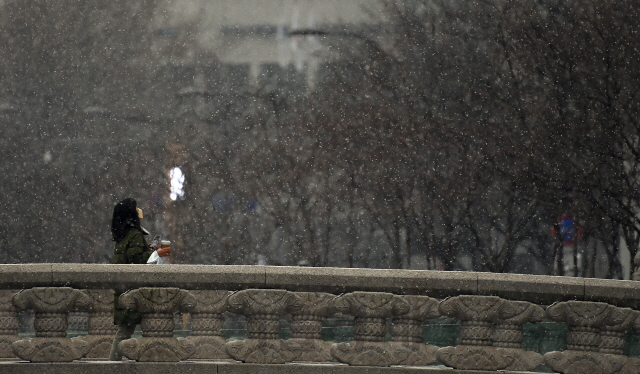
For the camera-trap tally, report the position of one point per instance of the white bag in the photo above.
(156, 259)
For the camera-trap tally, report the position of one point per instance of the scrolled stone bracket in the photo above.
(490, 333)
(157, 305)
(507, 333)
(307, 310)
(263, 309)
(101, 329)
(475, 352)
(51, 306)
(371, 310)
(207, 319)
(406, 346)
(595, 339)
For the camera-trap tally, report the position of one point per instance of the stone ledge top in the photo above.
(440, 284)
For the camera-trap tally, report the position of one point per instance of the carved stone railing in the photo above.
(389, 308)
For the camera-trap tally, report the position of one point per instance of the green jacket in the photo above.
(132, 249)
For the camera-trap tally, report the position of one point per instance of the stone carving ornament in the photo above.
(78, 321)
(490, 333)
(615, 328)
(476, 314)
(585, 362)
(51, 306)
(263, 309)
(206, 324)
(584, 319)
(507, 333)
(406, 331)
(8, 323)
(371, 310)
(157, 306)
(100, 324)
(307, 312)
(595, 338)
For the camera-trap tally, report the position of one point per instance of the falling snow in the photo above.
(421, 134)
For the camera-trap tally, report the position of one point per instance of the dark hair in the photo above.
(125, 217)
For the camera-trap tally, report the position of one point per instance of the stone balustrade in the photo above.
(388, 307)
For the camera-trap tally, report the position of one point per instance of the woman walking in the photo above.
(131, 248)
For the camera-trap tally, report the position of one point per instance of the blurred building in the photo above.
(254, 36)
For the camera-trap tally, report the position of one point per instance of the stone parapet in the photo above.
(388, 308)
(543, 290)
